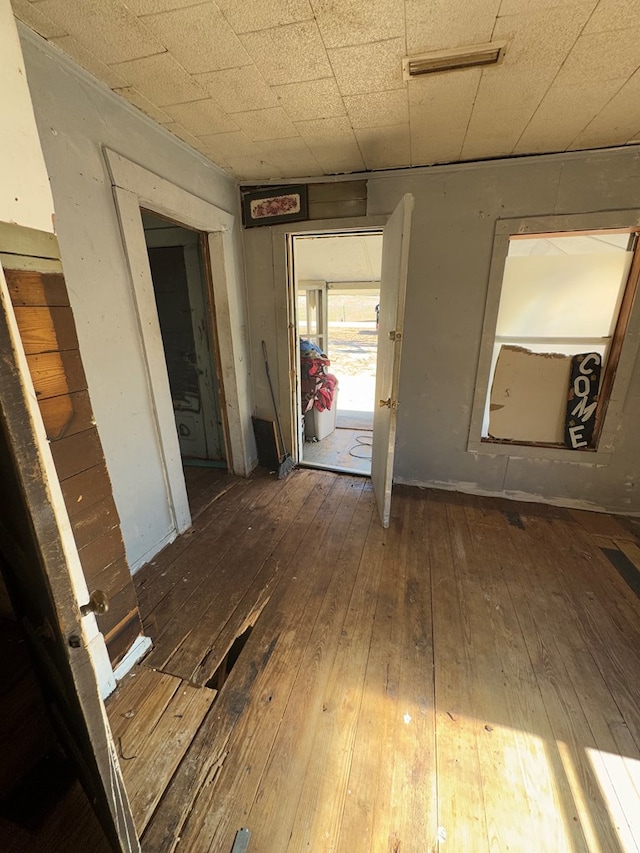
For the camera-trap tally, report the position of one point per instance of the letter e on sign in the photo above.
(575, 432)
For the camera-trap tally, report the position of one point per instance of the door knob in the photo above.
(98, 603)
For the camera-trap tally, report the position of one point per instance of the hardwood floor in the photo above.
(467, 680)
(205, 485)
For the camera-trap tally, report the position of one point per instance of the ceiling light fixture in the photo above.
(450, 60)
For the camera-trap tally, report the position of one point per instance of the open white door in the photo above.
(393, 285)
(35, 558)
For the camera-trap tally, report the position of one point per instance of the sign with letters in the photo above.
(582, 400)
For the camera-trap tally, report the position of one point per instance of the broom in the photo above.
(286, 463)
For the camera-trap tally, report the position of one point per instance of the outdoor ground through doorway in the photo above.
(352, 350)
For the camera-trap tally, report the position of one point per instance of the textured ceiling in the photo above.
(293, 88)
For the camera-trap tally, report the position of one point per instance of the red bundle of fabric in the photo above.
(324, 393)
(317, 385)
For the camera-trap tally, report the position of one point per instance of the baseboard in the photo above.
(137, 651)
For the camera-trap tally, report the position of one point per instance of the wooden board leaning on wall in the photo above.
(34, 275)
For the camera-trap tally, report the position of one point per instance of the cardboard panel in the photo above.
(529, 396)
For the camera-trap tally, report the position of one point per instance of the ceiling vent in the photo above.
(450, 60)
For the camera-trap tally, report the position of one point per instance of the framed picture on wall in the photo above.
(275, 205)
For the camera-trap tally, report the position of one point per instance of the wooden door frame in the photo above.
(135, 187)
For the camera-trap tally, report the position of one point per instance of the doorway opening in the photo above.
(178, 264)
(336, 289)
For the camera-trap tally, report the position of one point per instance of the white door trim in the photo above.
(135, 187)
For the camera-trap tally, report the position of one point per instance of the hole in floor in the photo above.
(229, 661)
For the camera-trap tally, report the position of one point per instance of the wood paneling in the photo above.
(37, 289)
(120, 639)
(91, 521)
(56, 373)
(48, 333)
(66, 414)
(100, 557)
(48, 329)
(76, 453)
(86, 489)
(117, 582)
(337, 200)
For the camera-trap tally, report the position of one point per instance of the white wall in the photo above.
(25, 196)
(76, 116)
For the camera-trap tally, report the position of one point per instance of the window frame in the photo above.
(620, 377)
(320, 289)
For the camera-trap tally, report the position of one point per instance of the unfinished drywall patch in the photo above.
(529, 396)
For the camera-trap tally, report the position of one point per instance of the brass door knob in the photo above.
(98, 603)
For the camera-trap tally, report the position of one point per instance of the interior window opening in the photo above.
(563, 313)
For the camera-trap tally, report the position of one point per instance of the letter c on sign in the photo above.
(592, 356)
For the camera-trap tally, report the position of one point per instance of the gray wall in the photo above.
(455, 215)
(76, 116)
(451, 247)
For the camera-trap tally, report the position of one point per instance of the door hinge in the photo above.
(389, 403)
(395, 336)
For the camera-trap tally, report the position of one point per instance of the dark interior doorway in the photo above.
(185, 314)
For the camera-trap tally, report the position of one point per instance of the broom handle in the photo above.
(273, 398)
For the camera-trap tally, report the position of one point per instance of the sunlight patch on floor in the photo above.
(616, 775)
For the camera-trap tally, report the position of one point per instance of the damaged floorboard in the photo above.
(153, 718)
(467, 679)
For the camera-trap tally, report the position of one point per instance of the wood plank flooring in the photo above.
(205, 485)
(467, 680)
(66, 825)
(153, 718)
(345, 449)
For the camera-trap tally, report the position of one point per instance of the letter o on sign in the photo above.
(581, 386)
